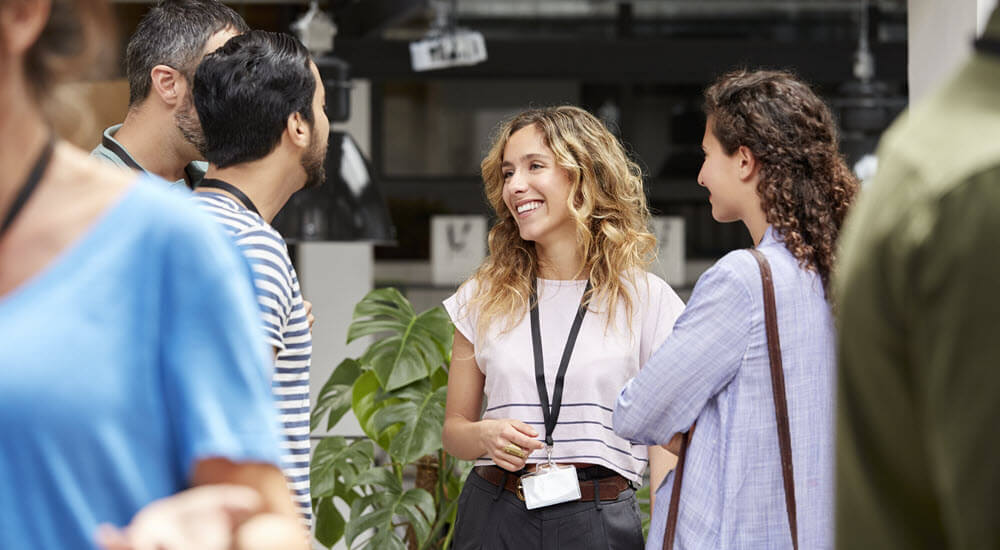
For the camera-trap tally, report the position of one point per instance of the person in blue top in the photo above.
(132, 366)
(771, 162)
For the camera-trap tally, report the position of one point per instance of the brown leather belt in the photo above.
(607, 488)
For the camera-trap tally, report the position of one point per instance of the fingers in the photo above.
(239, 502)
(506, 460)
(515, 450)
(204, 517)
(271, 532)
(110, 538)
(309, 313)
(512, 443)
(510, 463)
(523, 436)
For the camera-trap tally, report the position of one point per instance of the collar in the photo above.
(195, 170)
(109, 134)
(770, 237)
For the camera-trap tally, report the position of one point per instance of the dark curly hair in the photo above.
(805, 185)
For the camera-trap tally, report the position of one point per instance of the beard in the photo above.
(186, 120)
(313, 162)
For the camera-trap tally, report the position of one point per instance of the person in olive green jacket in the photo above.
(918, 298)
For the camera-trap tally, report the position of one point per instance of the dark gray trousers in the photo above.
(490, 518)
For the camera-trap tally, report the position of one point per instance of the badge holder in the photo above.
(549, 484)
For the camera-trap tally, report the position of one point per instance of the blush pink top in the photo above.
(604, 359)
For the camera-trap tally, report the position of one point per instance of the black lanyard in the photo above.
(121, 153)
(551, 417)
(233, 190)
(34, 178)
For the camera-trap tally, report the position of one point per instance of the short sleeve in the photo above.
(267, 256)
(662, 308)
(462, 315)
(214, 364)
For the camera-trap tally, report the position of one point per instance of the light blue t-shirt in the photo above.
(133, 355)
(110, 150)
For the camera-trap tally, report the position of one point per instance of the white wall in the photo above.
(335, 276)
(940, 37)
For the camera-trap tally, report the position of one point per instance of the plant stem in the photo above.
(438, 524)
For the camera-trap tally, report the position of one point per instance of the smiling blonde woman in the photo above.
(567, 257)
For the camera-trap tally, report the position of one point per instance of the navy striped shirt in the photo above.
(286, 326)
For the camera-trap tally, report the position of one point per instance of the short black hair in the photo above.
(174, 33)
(245, 91)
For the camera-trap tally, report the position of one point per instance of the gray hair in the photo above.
(174, 33)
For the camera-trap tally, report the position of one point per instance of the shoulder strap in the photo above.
(778, 387)
(780, 413)
(675, 492)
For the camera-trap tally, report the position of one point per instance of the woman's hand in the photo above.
(508, 442)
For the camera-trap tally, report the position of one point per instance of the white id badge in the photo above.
(550, 484)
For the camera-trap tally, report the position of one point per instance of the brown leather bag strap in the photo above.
(780, 413)
(675, 491)
(778, 387)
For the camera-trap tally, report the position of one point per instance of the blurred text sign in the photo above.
(454, 49)
(669, 231)
(458, 246)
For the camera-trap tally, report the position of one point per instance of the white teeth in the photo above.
(528, 206)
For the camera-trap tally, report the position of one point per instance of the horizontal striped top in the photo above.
(286, 326)
(603, 360)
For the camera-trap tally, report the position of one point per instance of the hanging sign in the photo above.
(454, 49)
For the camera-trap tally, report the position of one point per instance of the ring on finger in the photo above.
(515, 450)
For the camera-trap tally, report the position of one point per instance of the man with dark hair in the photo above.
(261, 103)
(161, 134)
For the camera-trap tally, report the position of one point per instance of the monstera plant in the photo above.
(396, 389)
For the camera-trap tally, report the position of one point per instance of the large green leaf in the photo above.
(366, 399)
(387, 302)
(383, 510)
(420, 414)
(439, 378)
(397, 391)
(411, 346)
(384, 540)
(329, 523)
(335, 397)
(380, 477)
(455, 472)
(336, 462)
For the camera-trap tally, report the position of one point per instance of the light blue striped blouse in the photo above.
(714, 368)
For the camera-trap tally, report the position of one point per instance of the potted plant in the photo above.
(396, 389)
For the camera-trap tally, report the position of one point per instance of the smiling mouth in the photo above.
(528, 207)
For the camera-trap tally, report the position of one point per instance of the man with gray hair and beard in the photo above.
(161, 134)
(261, 103)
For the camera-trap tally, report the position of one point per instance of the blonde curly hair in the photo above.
(606, 201)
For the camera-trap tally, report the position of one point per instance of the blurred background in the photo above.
(416, 89)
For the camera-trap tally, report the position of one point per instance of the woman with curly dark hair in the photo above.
(753, 476)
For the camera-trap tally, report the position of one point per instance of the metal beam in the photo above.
(679, 61)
